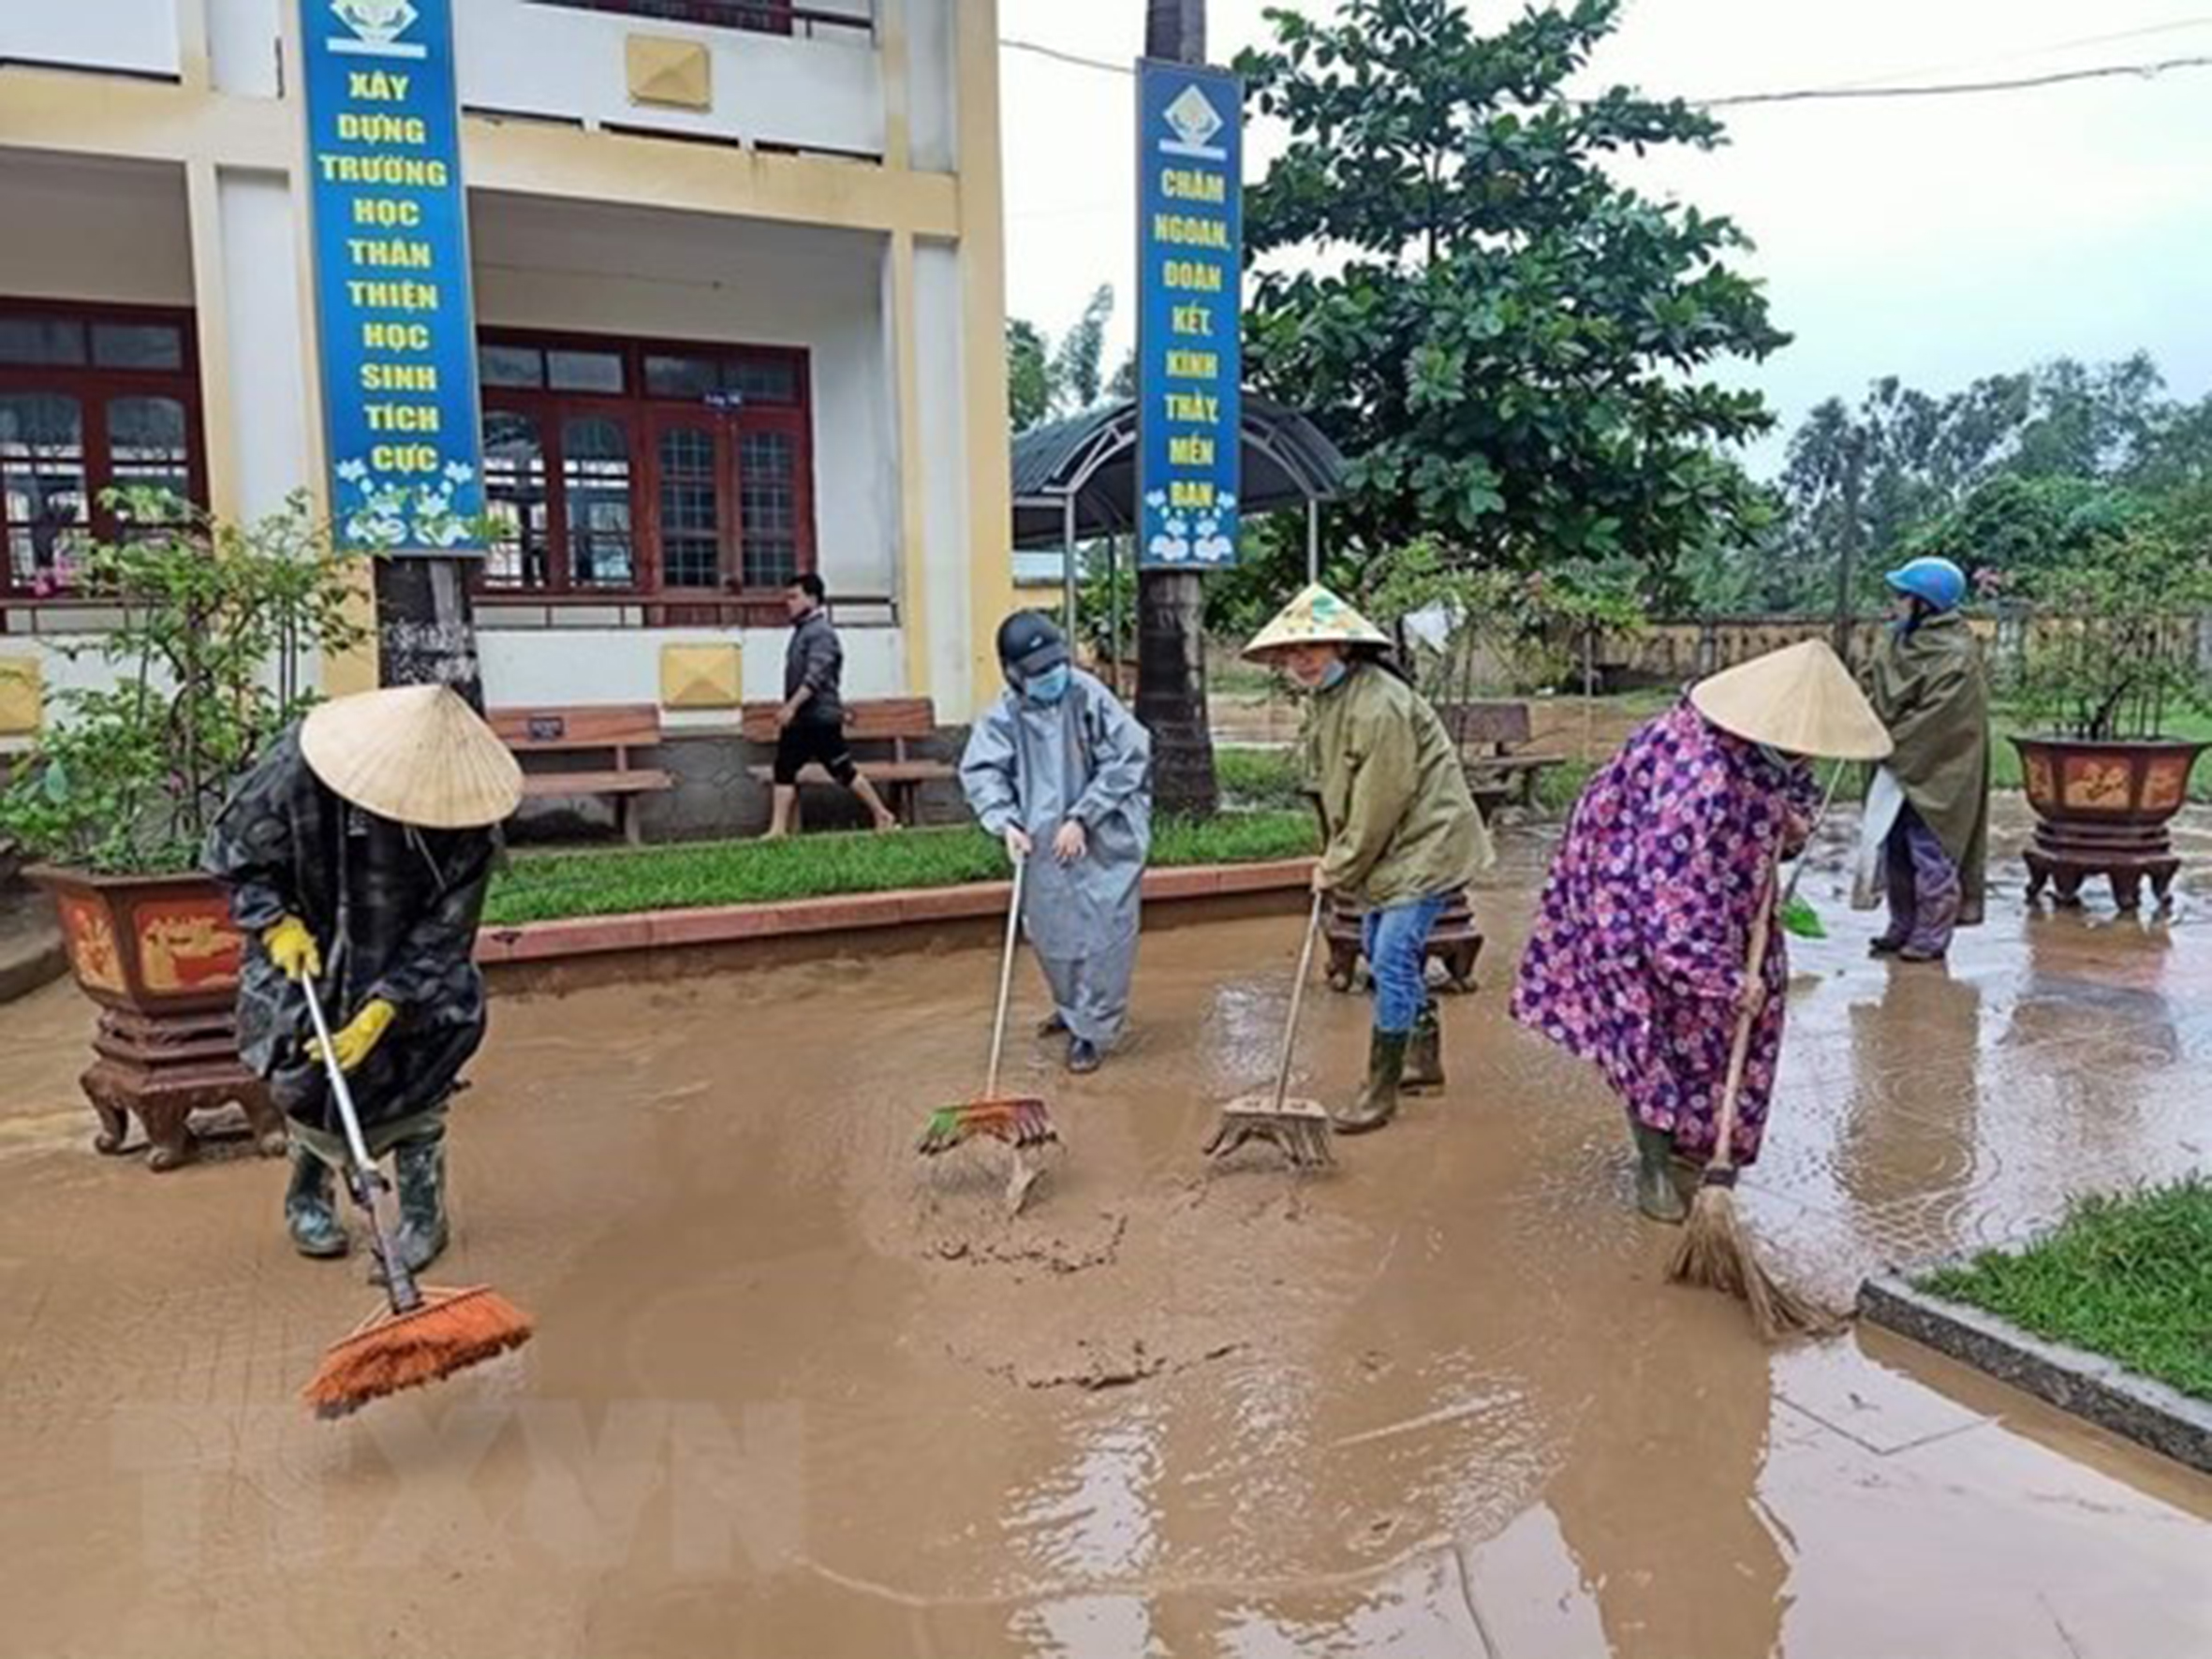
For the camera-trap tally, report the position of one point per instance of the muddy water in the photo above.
(793, 1396)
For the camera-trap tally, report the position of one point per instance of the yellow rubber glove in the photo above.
(352, 1043)
(293, 948)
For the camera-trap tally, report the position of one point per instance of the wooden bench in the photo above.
(894, 721)
(1490, 736)
(609, 728)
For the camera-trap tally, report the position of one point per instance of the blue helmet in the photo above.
(1938, 583)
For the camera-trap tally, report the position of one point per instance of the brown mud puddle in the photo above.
(795, 1396)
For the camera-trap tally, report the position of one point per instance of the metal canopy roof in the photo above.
(1286, 462)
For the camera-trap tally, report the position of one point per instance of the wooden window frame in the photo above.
(95, 388)
(646, 418)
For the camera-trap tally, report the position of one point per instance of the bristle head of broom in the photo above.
(451, 1331)
(1299, 1129)
(1715, 1252)
(1020, 1121)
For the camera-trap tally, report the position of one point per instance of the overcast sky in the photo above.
(1935, 239)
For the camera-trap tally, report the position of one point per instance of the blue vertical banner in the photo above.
(395, 320)
(1190, 229)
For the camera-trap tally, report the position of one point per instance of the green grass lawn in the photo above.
(546, 887)
(2130, 1278)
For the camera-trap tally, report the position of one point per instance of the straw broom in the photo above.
(1716, 1250)
(423, 1335)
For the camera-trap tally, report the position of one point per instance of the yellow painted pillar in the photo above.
(982, 265)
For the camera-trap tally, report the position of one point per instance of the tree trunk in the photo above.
(1171, 604)
(1176, 30)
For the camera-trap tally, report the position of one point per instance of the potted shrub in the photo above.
(2109, 658)
(214, 626)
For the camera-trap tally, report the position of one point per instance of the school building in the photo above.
(737, 275)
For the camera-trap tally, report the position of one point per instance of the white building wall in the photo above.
(268, 338)
(136, 37)
(241, 41)
(944, 467)
(578, 664)
(931, 121)
(818, 91)
(609, 271)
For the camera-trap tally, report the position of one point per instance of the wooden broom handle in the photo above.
(1313, 931)
(1739, 1054)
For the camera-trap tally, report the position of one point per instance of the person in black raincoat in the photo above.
(357, 853)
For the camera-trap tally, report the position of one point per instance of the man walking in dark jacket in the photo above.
(811, 723)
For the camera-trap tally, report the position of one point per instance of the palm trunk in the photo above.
(1171, 604)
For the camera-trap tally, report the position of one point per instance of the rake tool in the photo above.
(1022, 1122)
(1299, 1129)
(421, 1335)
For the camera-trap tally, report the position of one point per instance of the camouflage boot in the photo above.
(1424, 1054)
(420, 1165)
(309, 1214)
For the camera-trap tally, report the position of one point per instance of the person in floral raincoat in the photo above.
(1640, 958)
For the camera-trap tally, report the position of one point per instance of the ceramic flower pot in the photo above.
(2103, 807)
(159, 956)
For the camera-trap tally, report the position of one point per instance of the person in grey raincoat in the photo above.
(357, 853)
(1062, 772)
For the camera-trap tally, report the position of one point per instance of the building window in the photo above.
(632, 467)
(768, 17)
(90, 399)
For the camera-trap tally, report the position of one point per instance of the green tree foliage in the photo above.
(1028, 376)
(2011, 477)
(218, 623)
(1049, 382)
(1505, 337)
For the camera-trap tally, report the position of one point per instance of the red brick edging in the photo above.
(654, 929)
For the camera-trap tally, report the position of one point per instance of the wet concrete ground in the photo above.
(794, 1397)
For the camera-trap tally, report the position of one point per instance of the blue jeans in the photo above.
(1396, 944)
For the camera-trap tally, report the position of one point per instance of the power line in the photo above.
(1953, 88)
(1807, 94)
(1981, 59)
(1058, 55)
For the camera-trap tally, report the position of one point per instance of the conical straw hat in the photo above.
(1800, 700)
(1316, 617)
(416, 755)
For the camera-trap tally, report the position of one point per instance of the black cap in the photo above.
(1029, 645)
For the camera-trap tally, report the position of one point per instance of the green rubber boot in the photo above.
(1377, 1101)
(309, 1214)
(1424, 1054)
(1656, 1196)
(420, 1165)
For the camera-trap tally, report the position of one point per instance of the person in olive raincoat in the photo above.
(1063, 773)
(1928, 684)
(1401, 828)
(357, 853)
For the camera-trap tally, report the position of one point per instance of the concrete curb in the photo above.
(844, 913)
(2086, 1384)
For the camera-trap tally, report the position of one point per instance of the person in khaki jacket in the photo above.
(1401, 831)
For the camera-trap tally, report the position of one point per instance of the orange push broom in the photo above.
(1022, 1122)
(423, 1335)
